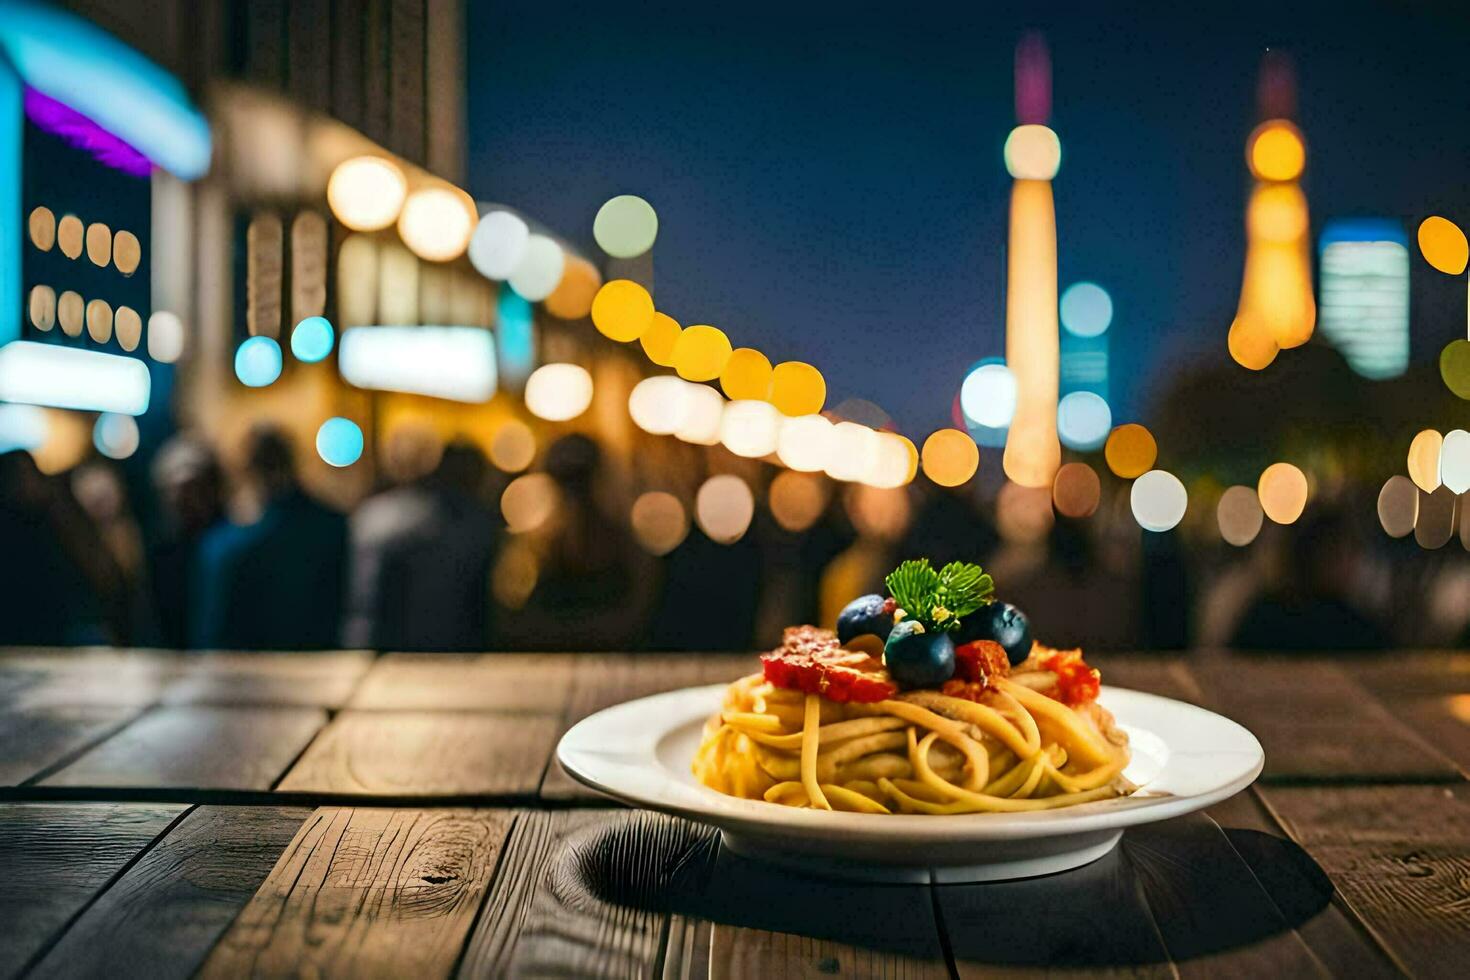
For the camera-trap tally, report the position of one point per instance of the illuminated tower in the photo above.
(1032, 156)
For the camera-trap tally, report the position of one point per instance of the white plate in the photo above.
(1184, 759)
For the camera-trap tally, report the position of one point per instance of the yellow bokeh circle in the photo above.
(1443, 245)
(622, 310)
(659, 339)
(950, 457)
(797, 388)
(700, 353)
(1283, 492)
(1131, 451)
(1277, 151)
(747, 375)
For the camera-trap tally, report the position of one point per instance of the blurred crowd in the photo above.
(238, 555)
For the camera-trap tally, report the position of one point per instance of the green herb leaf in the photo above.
(939, 599)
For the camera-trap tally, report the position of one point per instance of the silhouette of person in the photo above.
(190, 487)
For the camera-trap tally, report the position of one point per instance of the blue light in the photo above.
(1363, 297)
(515, 337)
(10, 217)
(339, 442)
(258, 362)
(1087, 309)
(1084, 421)
(312, 339)
(22, 427)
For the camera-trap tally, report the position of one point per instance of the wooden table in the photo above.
(344, 815)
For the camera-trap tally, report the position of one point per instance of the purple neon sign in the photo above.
(84, 134)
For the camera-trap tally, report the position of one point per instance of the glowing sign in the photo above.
(1364, 305)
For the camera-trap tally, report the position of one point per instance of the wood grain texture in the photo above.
(1161, 674)
(54, 857)
(323, 679)
(426, 754)
(164, 915)
(737, 952)
(367, 893)
(545, 916)
(468, 682)
(207, 748)
(1316, 723)
(41, 678)
(1443, 720)
(624, 677)
(1410, 672)
(41, 737)
(1400, 858)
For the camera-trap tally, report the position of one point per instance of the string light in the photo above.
(1283, 492)
(657, 404)
(700, 353)
(622, 310)
(558, 392)
(659, 338)
(851, 452)
(1239, 515)
(747, 375)
(894, 463)
(701, 415)
(805, 443)
(436, 223)
(750, 428)
(950, 457)
(1158, 501)
(366, 193)
(573, 297)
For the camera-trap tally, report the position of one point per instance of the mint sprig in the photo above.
(939, 599)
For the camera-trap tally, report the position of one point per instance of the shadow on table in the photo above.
(1174, 891)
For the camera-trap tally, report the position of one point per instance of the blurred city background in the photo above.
(441, 325)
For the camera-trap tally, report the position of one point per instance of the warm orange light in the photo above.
(1424, 460)
(528, 502)
(747, 375)
(1443, 245)
(1131, 451)
(797, 388)
(950, 457)
(1283, 492)
(436, 222)
(1032, 452)
(1239, 515)
(659, 338)
(797, 499)
(572, 297)
(1076, 491)
(622, 310)
(700, 353)
(1277, 151)
(513, 447)
(1276, 304)
(660, 522)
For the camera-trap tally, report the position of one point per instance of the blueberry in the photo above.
(1003, 623)
(916, 658)
(865, 614)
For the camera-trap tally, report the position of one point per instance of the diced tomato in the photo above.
(979, 660)
(811, 660)
(1077, 683)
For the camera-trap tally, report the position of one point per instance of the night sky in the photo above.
(829, 181)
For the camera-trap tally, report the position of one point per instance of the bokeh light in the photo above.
(71, 312)
(1435, 523)
(540, 269)
(312, 339)
(1443, 245)
(657, 404)
(797, 499)
(950, 457)
(115, 436)
(1023, 515)
(558, 392)
(805, 443)
(1076, 491)
(1276, 151)
(1398, 506)
(99, 320)
(701, 414)
(165, 337)
(258, 362)
(366, 193)
(339, 442)
(42, 227)
(1033, 152)
(1131, 451)
(747, 375)
(660, 522)
(1454, 461)
(659, 338)
(69, 235)
(700, 353)
(499, 244)
(1033, 342)
(1158, 500)
(797, 388)
(1086, 309)
(1283, 492)
(513, 447)
(436, 223)
(625, 226)
(43, 307)
(23, 427)
(1239, 515)
(1454, 367)
(723, 507)
(1083, 420)
(1250, 345)
(622, 310)
(894, 463)
(851, 452)
(988, 395)
(573, 296)
(1277, 213)
(127, 251)
(99, 244)
(528, 502)
(750, 428)
(128, 326)
(1424, 453)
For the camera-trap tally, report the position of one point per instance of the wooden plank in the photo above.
(41, 737)
(1212, 913)
(165, 914)
(1412, 672)
(201, 748)
(1162, 674)
(1442, 719)
(56, 856)
(467, 682)
(1316, 723)
(40, 678)
(551, 911)
(625, 677)
(308, 678)
(1399, 856)
(367, 893)
(426, 754)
